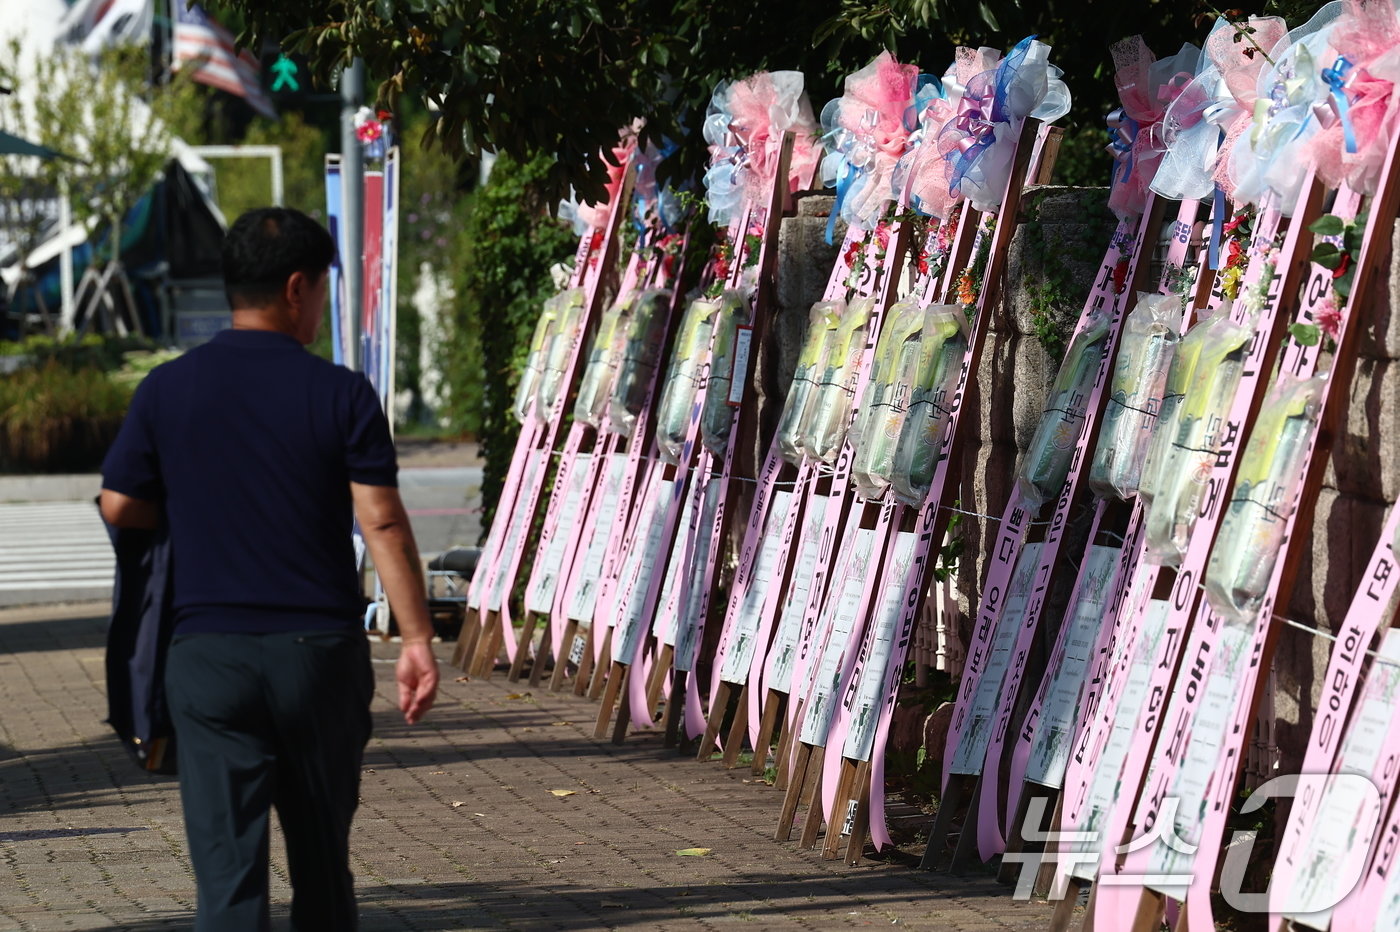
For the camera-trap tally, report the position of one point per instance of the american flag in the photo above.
(203, 44)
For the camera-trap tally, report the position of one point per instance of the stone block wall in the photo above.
(1065, 230)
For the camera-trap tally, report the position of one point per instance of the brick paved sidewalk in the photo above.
(458, 828)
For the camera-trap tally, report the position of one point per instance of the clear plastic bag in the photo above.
(527, 389)
(1186, 465)
(822, 323)
(1168, 426)
(556, 352)
(688, 360)
(942, 346)
(1145, 356)
(1246, 550)
(875, 428)
(718, 415)
(1052, 449)
(640, 353)
(604, 354)
(835, 395)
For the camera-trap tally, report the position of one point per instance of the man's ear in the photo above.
(294, 291)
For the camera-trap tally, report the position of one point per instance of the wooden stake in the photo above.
(542, 656)
(793, 794)
(738, 731)
(1064, 909)
(624, 707)
(488, 646)
(783, 752)
(601, 668)
(965, 851)
(718, 706)
(583, 675)
(812, 785)
(771, 710)
(561, 663)
(952, 798)
(836, 819)
(522, 648)
(614, 688)
(466, 639)
(855, 845)
(675, 710)
(660, 671)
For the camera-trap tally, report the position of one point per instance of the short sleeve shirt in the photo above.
(250, 442)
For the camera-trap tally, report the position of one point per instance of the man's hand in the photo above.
(417, 674)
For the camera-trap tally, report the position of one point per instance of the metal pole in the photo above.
(67, 313)
(352, 174)
(277, 188)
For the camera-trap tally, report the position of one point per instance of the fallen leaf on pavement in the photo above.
(457, 804)
(464, 679)
(518, 696)
(562, 792)
(693, 852)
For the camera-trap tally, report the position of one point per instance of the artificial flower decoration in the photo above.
(921, 177)
(1146, 87)
(980, 143)
(1220, 99)
(866, 131)
(744, 126)
(585, 216)
(1360, 111)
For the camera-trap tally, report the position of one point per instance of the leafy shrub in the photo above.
(56, 418)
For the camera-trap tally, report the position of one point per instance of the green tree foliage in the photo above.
(243, 184)
(501, 279)
(560, 77)
(118, 141)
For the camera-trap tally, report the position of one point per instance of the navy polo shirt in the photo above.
(251, 444)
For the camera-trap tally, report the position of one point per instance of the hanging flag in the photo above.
(202, 42)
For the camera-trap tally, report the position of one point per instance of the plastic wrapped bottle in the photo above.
(556, 352)
(880, 415)
(1168, 426)
(1246, 550)
(641, 346)
(1052, 449)
(688, 362)
(822, 322)
(831, 410)
(528, 387)
(718, 416)
(942, 346)
(1187, 465)
(1145, 355)
(604, 354)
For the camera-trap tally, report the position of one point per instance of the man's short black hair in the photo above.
(265, 246)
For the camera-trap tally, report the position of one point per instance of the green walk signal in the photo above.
(285, 75)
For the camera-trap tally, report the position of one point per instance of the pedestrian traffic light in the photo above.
(285, 75)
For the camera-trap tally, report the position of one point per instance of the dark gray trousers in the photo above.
(270, 720)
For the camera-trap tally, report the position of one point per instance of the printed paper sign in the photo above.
(688, 624)
(865, 711)
(641, 563)
(739, 657)
(972, 749)
(784, 650)
(515, 535)
(820, 705)
(585, 594)
(539, 597)
(1055, 728)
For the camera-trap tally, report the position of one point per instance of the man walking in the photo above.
(253, 452)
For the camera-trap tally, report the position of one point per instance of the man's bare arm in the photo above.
(389, 539)
(123, 511)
